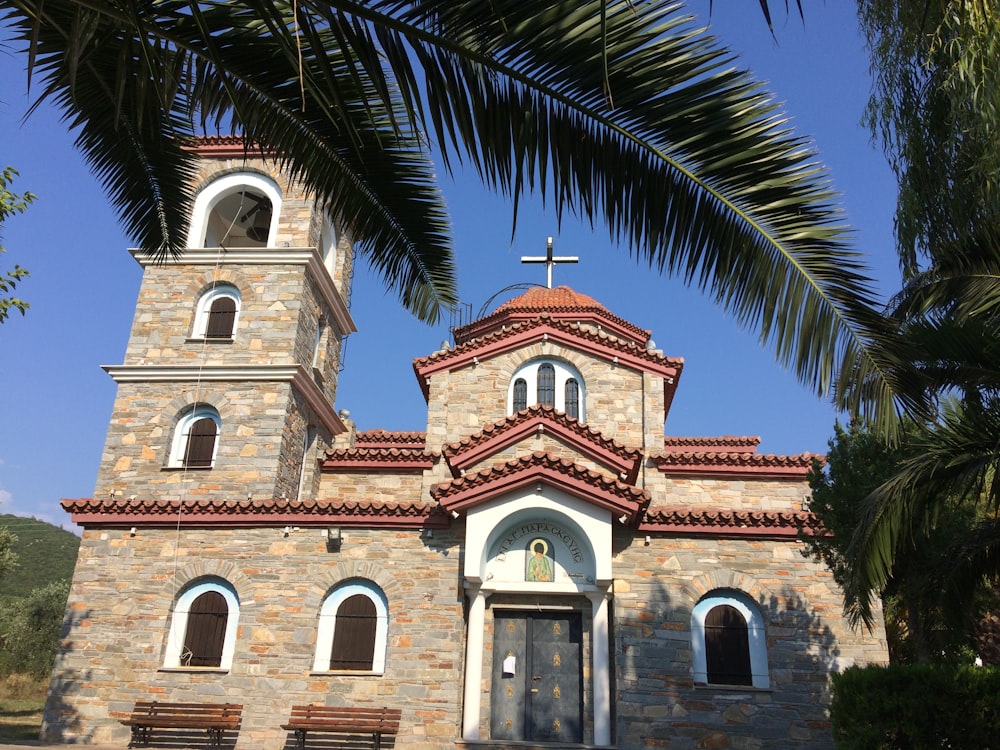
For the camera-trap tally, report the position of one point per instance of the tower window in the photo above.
(196, 439)
(217, 313)
(546, 384)
(236, 211)
(520, 394)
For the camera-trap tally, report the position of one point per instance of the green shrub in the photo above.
(30, 628)
(916, 707)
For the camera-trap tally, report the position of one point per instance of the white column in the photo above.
(600, 668)
(474, 665)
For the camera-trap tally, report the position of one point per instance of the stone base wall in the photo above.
(124, 589)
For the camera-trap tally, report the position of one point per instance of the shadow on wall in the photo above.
(655, 694)
(61, 720)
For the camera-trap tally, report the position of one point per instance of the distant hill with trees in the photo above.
(45, 554)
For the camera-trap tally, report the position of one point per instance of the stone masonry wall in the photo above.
(119, 615)
(656, 587)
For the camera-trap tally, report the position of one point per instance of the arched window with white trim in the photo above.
(353, 629)
(547, 381)
(196, 438)
(328, 246)
(217, 313)
(728, 641)
(236, 210)
(203, 626)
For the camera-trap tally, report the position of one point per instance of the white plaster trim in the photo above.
(298, 375)
(286, 256)
(225, 186)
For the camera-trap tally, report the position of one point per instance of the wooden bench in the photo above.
(343, 720)
(214, 718)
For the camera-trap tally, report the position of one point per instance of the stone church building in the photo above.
(541, 567)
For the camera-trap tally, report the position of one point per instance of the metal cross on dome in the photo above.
(550, 261)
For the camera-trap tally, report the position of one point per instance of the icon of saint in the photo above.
(539, 565)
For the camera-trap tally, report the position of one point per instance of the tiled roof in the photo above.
(750, 465)
(223, 146)
(562, 303)
(540, 467)
(721, 523)
(233, 513)
(723, 444)
(387, 439)
(378, 459)
(543, 418)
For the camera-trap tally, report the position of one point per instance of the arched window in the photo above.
(573, 398)
(328, 246)
(547, 381)
(217, 313)
(196, 439)
(353, 629)
(203, 626)
(728, 642)
(237, 210)
(520, 394)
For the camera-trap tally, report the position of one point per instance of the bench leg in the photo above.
(139, 736)
(214, 737)
(300, 739)
(377, 740)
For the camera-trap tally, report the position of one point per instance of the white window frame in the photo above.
(328, 624)
(205, 307)
(563, 372)
(307, 457)
(756, 633)
(224, 186)
(184, 424)
(178, 624)
(328, 245)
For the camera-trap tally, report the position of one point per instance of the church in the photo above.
(541, 567)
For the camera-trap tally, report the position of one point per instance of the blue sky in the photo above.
(55, 401)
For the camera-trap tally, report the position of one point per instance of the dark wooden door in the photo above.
(537, 693)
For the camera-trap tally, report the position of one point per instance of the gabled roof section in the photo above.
(724, 444)
(561, 303)
(547, 328)
(731, 524)
(225, 147)
(624, 501)
(735, 464)
(477, 448)
(118, 512)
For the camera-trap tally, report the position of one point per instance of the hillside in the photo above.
(45, 554)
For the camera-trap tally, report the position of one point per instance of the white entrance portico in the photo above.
(545, 544)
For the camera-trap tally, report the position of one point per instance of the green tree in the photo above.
(927, 617)
(8, 558)
(617, 112)
(936, 106)
(10, 204)
(30, 629)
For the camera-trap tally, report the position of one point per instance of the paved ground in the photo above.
(39, 746)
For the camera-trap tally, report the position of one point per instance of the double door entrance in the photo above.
(537, 693)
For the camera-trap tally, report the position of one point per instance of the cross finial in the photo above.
(549, 260)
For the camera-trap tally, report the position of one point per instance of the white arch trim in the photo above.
(178, 624)
(755, 633)
(218, 189)
(328, 624)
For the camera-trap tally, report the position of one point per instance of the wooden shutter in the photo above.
(547, 384)
(221, 318)
(200, 443)
(573, 398)
(354, 634)
(520, 394)
(727, 647)
(206, 631)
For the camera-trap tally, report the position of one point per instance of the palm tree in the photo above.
(617, 112)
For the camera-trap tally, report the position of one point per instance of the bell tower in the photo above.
(230, 374)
